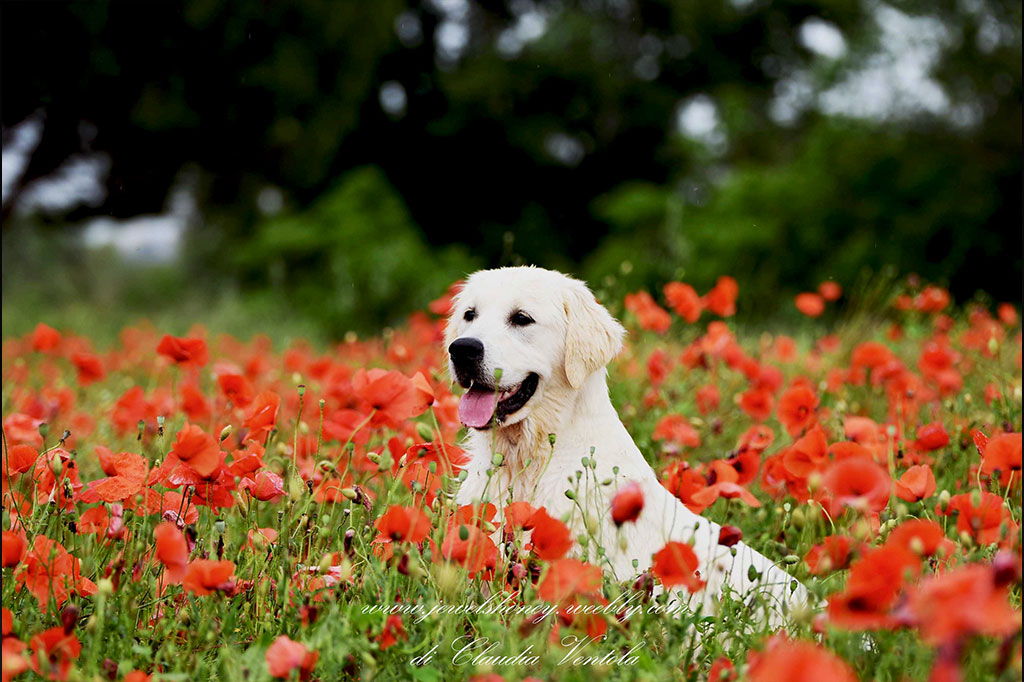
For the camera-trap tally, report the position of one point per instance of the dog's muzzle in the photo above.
(467, 356)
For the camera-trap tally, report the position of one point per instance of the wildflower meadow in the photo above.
(206, 507)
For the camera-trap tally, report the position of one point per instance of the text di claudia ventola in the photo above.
(469, 650)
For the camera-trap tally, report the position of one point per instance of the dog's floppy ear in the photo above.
(592, 338)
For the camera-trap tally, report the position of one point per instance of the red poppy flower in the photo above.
(21, 458)
(567, 578)
(808, 454)
(676, 429)
(171, 550)
(871, 590)
(627, 503)
(916, 483)
(932, 299)
(830, 291)
(22, 429)
(949, 607)
(259, 538)
(267, 486)
(725, 489)
(391, 395)
(721, 300)
(811, 305)
(204, 576)
(262, 415)
(193, 403)
(676, 564)
(729, 535)
(1007, 313)
(856, 482)
(982, 520)
(44, 338)
(129, 477)
(476, 514)
(53, 653)
(722, 670)
(443, 305)
(796, 410)
(1003, 454)
(920, 536)
(657, 367)
(757, 438)
(683, 299)
(833, 554)
(794, 661)
(871, 354)
(518, 514)
(551, 538)
(757, 402)
(50, 570)
(404, 524)
(707, 398)
(13, 548)
(184, 352)
(393, 632)
(89, 366)
(469, 547)
(198, 449)
(286, 655)
(684, 482)
(649, 314)
(235, 388)
(932, 436)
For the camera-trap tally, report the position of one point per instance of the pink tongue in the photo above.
(477, 407)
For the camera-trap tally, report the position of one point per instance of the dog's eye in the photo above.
(520, 319)
(469, 315)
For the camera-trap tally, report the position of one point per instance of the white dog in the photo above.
(531, 346)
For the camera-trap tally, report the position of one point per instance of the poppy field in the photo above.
(203, 507)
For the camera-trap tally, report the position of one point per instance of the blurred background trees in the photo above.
(350, 159)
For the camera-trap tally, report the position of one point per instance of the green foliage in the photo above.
(827, 213)
(354, 259)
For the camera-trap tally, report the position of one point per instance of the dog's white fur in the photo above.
(569, 345)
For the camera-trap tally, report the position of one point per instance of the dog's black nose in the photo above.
(466, 351)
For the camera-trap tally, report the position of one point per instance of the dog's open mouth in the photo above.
(481, 405)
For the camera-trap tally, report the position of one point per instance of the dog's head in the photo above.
(516, 333)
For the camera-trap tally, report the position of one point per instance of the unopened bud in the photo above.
(225, 433)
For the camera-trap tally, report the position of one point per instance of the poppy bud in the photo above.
(225, 433)
(424, 431)
(69, 618)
